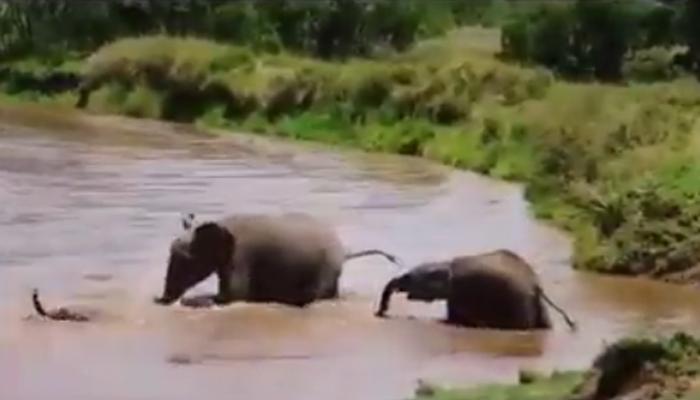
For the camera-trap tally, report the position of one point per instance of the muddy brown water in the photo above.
(90, 204)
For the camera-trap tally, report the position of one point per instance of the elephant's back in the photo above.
(294, 235)
(502, 268)
(500, 262)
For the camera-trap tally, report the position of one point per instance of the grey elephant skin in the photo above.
(497, 290)
(291, 258)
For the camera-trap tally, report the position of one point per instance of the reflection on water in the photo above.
(89, 206)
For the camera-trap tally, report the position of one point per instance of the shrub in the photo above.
(143, 102)
(588, 38)
(649, 65)
(163, 61)
(516, 40)
(109, 98)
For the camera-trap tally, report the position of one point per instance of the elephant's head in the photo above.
(194, 257)
(426, 282)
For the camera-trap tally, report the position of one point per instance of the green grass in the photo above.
(671, 366)
(62, 100)
(554, 387)
(68, 63)
(615, 165)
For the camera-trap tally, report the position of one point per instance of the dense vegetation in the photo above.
(608, 39)
(324, 28)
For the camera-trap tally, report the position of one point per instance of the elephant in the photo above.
(290, 258)
(59, 314)
(496, 289)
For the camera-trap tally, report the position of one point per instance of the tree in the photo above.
(605, 30)
(690, 28)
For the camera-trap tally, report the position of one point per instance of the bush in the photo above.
(689, 25)
(109, 98)
(551, 38)
(649, 65)
(407, 137)
(588, 38)
(328, 29)
(162, 61)
(516, 40)
(242, 22)
(143, 102)
(192, 75)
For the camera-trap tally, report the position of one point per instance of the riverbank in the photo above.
(639, 368)
(613, 165)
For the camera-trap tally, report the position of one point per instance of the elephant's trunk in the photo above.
(389, 289)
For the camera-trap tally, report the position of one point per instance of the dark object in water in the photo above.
(59, 314)
(188, 221)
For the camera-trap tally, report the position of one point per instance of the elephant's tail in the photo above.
(374, 252)
(569, 320)
(37, 304)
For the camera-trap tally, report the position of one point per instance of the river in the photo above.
(90, 204)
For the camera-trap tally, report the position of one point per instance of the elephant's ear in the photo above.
(213, 244)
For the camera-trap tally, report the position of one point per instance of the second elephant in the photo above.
(289, 258)
(497, 289)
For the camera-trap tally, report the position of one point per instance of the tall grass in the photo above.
(440, 90)
(558, 386)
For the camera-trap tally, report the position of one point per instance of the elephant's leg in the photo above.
(516, 314)
(458, 313)
(492, 306)
(288, 283)
(307, 288)
(211, 299)
(225, 293)
(231, 288)
(331, 290)
(199, 301)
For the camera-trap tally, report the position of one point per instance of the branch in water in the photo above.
(60, 314)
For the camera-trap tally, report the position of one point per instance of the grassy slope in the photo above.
(555, 387)
(668, 367)
(614, 165)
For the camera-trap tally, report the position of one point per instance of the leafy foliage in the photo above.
(595, 38)
(325, 28)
